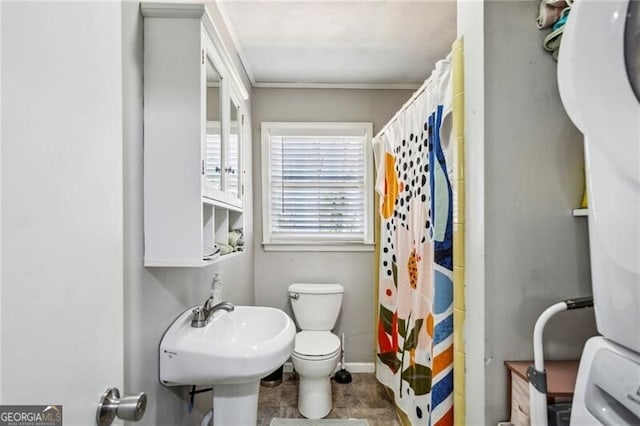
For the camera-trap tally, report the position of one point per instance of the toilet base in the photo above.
(314, 397)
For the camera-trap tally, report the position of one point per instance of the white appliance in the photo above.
(599, 80)
(316, 352)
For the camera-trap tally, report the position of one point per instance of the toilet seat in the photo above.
(316, 345)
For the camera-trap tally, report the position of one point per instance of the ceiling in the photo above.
(376, 44)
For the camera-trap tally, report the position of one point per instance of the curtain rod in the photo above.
(412, 99)
(406, 105)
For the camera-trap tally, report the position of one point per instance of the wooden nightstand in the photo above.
(561, 380)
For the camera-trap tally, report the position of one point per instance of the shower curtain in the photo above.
(415, 312)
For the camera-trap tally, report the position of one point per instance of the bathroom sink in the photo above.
(236, 347)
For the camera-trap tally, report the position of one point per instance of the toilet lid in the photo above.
(316, 343)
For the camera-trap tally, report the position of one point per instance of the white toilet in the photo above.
(317, 349)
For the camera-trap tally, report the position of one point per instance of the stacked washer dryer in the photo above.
(599, 80)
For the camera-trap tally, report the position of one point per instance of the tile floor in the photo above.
(363, 398)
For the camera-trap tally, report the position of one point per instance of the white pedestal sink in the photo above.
(232, 352)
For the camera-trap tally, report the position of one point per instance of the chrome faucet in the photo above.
(202, 314)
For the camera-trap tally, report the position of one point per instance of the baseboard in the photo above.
(352, 367)
(359, 367)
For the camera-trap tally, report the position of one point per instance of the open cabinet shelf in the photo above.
(191, 264)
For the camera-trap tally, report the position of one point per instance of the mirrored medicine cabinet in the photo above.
(193, 136)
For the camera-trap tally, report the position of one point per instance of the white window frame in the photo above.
(317, 128)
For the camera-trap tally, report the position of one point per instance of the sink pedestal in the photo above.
(235, 404)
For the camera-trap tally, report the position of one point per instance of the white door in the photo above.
(61, 259)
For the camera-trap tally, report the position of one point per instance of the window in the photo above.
(317, 186)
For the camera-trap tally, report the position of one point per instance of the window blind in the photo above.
(317, 187)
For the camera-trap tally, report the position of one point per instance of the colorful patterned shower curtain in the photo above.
(415, 314)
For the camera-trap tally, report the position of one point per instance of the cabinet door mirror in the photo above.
(234, 169)
(213, 146)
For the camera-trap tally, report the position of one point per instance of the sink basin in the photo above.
(235, 347)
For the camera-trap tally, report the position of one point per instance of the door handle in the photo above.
(110, 406)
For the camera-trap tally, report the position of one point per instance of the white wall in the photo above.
(155, 296)
(274, 271)
(537, 253)
(524, 162)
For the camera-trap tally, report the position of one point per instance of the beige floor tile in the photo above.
(341, 395)
(338, 413)
(270, 397)
(291, 413)
(363, 398)
(289, 397)
(266, 414)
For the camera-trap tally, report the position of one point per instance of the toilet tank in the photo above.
(316, 306)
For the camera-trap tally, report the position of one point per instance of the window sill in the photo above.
(318, 247)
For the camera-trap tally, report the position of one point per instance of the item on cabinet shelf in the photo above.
(225, 249)
(585, 199)
(551, 42)
(212, 253)
(236, 239)
(553, 13)
(216, 289)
